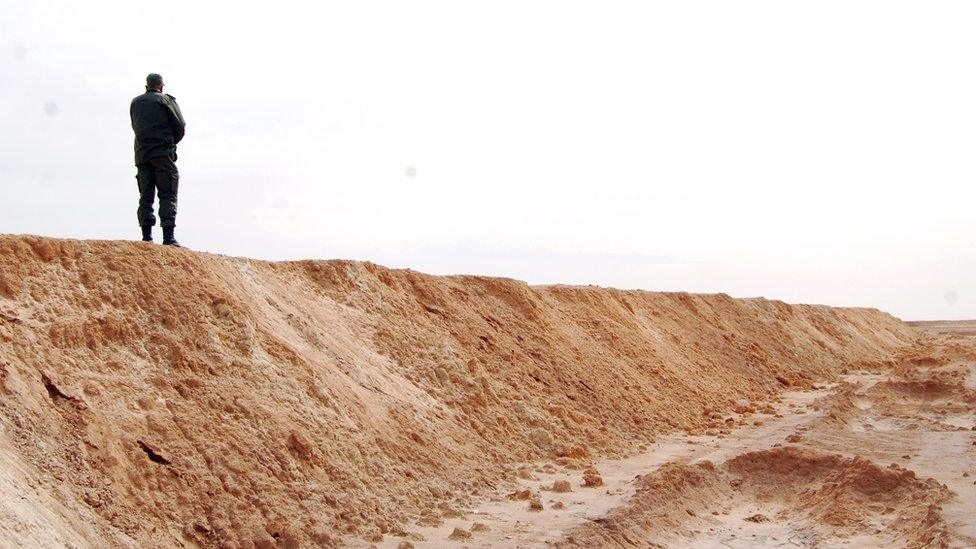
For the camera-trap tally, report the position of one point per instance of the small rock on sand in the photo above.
(561, 486)
(459, 534)
(479, 527)
(758, 517)
(592, 478)
(535, 504)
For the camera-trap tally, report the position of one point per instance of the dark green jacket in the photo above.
(158, 123)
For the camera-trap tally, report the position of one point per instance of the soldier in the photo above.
(159, 126)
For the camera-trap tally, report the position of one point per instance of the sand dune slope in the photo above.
(161, 397)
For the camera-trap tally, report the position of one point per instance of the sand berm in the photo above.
(162, 397)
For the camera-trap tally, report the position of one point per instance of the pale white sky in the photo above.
(812, 152)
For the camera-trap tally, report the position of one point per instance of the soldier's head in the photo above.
(154, 82)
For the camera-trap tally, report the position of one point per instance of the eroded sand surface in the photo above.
(875, 460)
(155, 397)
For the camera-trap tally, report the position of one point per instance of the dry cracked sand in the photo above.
(156, 397)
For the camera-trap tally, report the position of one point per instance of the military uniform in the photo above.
(159, 126)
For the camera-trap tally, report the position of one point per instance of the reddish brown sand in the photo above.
(161, 397)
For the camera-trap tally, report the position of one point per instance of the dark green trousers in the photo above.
(158, 175)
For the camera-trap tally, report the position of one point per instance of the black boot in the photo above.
(146, 233)
(168, 238)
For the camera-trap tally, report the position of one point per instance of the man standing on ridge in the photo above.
(159, 126)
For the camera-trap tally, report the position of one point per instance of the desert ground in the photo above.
(157, 397)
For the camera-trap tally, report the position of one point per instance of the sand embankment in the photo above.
(155, 396)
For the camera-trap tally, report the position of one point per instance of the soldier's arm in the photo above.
(176, 120)
(132, 114)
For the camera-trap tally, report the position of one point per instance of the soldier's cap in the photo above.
(154, 79)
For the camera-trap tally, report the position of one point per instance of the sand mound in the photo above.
(157, 397)
(930, 391)
(848, 495)
(840, 407)
(941, 388)
(817, 497)
(936, 393)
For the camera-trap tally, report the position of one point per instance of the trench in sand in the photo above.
(728, 508)
(512, 524)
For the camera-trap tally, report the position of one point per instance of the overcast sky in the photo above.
(813, 152)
